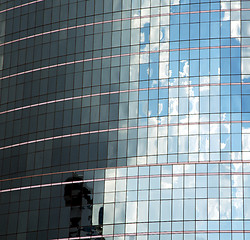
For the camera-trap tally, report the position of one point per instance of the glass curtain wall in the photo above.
(125, 119)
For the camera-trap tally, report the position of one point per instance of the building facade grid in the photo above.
(125, 119)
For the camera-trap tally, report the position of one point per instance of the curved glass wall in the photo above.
(125, 119)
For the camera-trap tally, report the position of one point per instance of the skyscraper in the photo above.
(125, 119)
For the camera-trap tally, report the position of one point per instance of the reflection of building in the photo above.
(147, 100)
(80, 201)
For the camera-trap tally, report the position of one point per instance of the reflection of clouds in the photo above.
(235, 17)
(204, 143)
(134, 71)
(162, 145)
(164, 71)
(225, 127)
(142, 211)
(194, 105)
(235, 155)
(246, 143)
(224, 144)
(160, 107)
(245, 51)
(247, 208)
(163, 120)
(131, 212)
(164, 45)
(152, 132)
(224, 6)
(166, 182)
(144, 58)
(161, 35)
(152, 146)
(235, 29)
(154, 83)
(164, 56)
(143, 108)
(239, 29)
(225, 181)
(213, 209)
(201, 209)
(237, 210)
(142, 37)
(183, 144)
(204, 80)
(237, 183)
(173, 106)
(193, 102)
(175, 2)
(193, 143)
(194, 118)
(245, 31)
(164, 82)
(245, 63)
(214, 128)
(155, 33)
(225, 208)
(204, 90)
(185, 70)
(135, 23)
(150, 36)
(110, 186)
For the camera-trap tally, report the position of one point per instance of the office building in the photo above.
(125, 119)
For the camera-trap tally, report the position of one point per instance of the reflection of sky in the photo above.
(224, 61)
(219, 64)
(238, 65)
(209, 194)
(215, 63)
(149, 105)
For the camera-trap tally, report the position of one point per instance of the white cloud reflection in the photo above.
(185, 70)
(246, 143)
(239, 29)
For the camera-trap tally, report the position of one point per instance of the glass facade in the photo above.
(125, 119)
